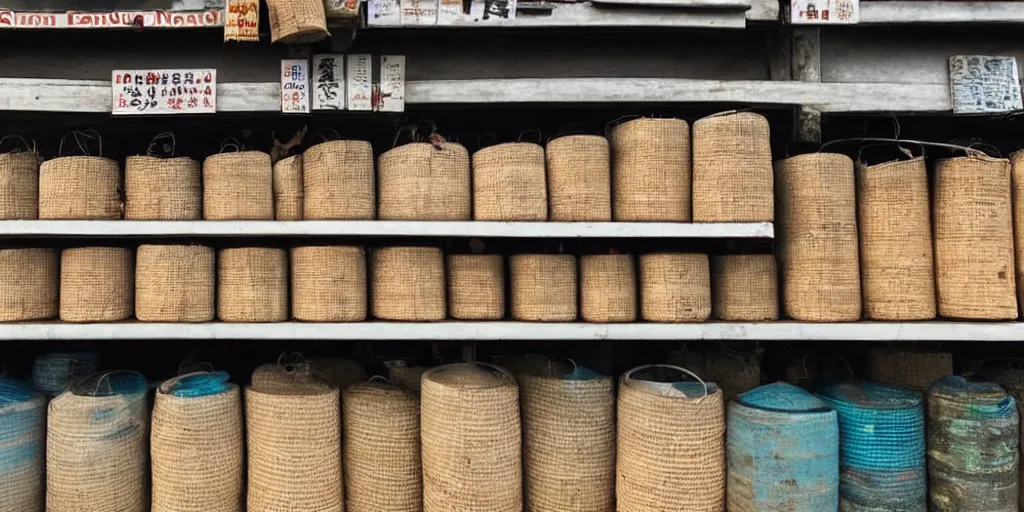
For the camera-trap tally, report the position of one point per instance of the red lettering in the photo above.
(162, 19)
(192, 20)
(212, 18)
(6, 17)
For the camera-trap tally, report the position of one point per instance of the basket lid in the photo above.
(871, 395)
(783, 397)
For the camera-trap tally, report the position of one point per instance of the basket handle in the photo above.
(330, 131)
(24, 142)
(205, 367)
(574, 365)
(161, 136)
(230, 142)
(489, 136)
(290, 362)
(378, 378)
(540, 135)
(626, 377)
(78, 134)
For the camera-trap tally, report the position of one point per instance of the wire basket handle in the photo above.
(162, 136)
(230, 142)
(540, 135)
(323, 134)
(79, 135)
(27, 149)
(628, 376)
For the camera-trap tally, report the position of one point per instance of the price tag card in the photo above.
(295, 86)
(329, 81)
(391, 93)
(163, 91)
(419, 12)
(824, 12)
(242, 21)
(984, 84)
(383, 13)
(359, 82)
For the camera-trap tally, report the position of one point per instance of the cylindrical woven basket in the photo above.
(80, 187)
(471, 439)
(419, 181)
(579, 179)
(277, 377)
(1017, 183)
(28, 284)
(162, 188)
(744, 287)
(328, 283)
(542, 287)
(675, 287)
(174, 283)
(407, 377)
(297, 21)
(974, 266)
(53, 372)
(338, 181)
(288, 189)
(732, 169)
(908, 368)
(607, 288)
(238, 186)
(382, 449)
(22, 457)
(408, 284)
(509, 183)
(817, 238)
(735, 373)
(651, 171)
(97, 284)
(19, 186)
(476, 286)
(252, 284)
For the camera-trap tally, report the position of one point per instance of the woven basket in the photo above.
(651, 170)
(277, 378)
(288, 193)
(734, 373)
(337, 372)
(297, 21)
(407, 377)
(80, 187)
(238, 186)
(817, 238)
(339, 181)
(675, 287)
(732, 168)
(579, 179)
(97, 284)
(252, 284)
(28, 284)
(382, 449)
(1017, 183)
(476, 286)
(408, 284)
(328, 283)
(174, 283)
(509, 183)
(22, 458)
(19, 186)
(471, 439)
(744, 288)
(542, 287)
(162, 188)
(974, 266)
(420, 182)
(908, 368)
(607, 288)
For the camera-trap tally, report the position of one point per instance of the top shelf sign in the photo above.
(111, 19)
(163, 91)
(824, 12)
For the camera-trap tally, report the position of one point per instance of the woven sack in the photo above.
(908, 368)
(297, 21)
(407, 377)
(22, 458)
(1011, 378)
(734, 373)
(174, 283)
(509, 183)
(744, 288)
(974, 263)
(288, 189)
(19, 185)
(542, 287)
(408, 284)
(607, 288)
(238, 186)
(53, 372)
(675, 287)
(80, 187)
(651, 170)
(817, 238)
(471, 439)
(420, 181)
(339, 181)
(252, 284)
(97, 284)
(732, 168)
(328, 283)
(28, 284)
(476, 286)
(1017, 184)
(162, 188)
(381, 449)
(579, 178)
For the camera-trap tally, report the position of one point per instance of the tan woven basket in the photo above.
(579, 178)
(651, 170)
(509, 183)
(908, 368)
(28, 284)
(675, 287)
(420, 182)
(471, 439)
(974, 263)
(607, 288)
(339, 181)
(476, 286)
(278, 378)
(744, 287)
(162, 188)
(408, 284)
(732, 169)
(734, 373)
(407, 377)
(542, 287)
(328, 283)
(80, 187)
(238, 186)
(197, 451)
(174, 283)
(23, 427)
(252, 284)
(1017, 182)
(382, 449)
(97, 284)
(297, 21)
(817, 238)
(288, 189)
(19, 186)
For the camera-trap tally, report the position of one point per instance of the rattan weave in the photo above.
(174, 283)
(1017, 183)
(22, 454)
(252, 284)
(744, 287)
(509, 183)
(408, 284)
(80, 187)
(162, 188)
(339, 181)
(732, 169)
(328, 283)
(19, 186)
(297, 21)
(476, 286)
(909, 368)
(288, 191)
(542, 287)
(651, 170)
(579, 178)
(97, 284)
(407, 377)
(238, 186)
(608, 288)
(421, 181)
(675, 287)
(28, 284)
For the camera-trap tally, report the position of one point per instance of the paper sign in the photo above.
(824, 12)
(328, 82)
(391, 92)
(111, 19)
(383, 13)
(449, 12)
(359, 82)
(295, 86)
(341, 8)
(419, 12)
(242, 20)
(163, 91)
(984, 84)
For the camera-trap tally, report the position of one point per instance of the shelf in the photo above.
(934, 12)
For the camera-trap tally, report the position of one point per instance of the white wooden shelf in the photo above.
(903, 12)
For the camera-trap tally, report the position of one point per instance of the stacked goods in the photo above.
(476, 286)
(252, 284)
(1011, 378)
(579, 178)
(196, 445)
(908, 368)
(80, 187)
(744, 288)
(607, 288)
(782, 450)
(19, 184)
(53, 373)
(817, 238)
(288, 192)
(328, 283)
(338, 181)
(651, 170)
(97, 284)
(174, 283)
(734, 372)
(974, 239)
(162, 188)
(337, 372)
(675, 287)
(543, 287)
(408, 284)
(297, 21)
(471, 439)
(22, 443)
(1017, 184)
(28, 284)
(424, 181)
(238, 186)
(509, 183)
(732, 168)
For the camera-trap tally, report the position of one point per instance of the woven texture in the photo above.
(471, 440)
(19, 186)
(174, 283)
(817, 238)
(542, 287)
(80, 187)
(744, 287)
(328, 283)
(162, 189)
(509, 183)
(337, 372)
(252, 284)
(579, 178)
(419, 181)
(288, 189)
(97, 284)
(1017, 184)
(382, 449)
(408, 284)
(732, 169)
(651, 170)
(908, 368)
(297, 21)
(607, 288)
(238, 186)
(53, 372)
(28, 284)
(272, 377)
(675, 287)
(734, 373)
(974, 239)
(407, 377)
(22, 458)
(339, 181)
(476, 286)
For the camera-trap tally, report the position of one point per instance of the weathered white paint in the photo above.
(901, 12)
(688, 4)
